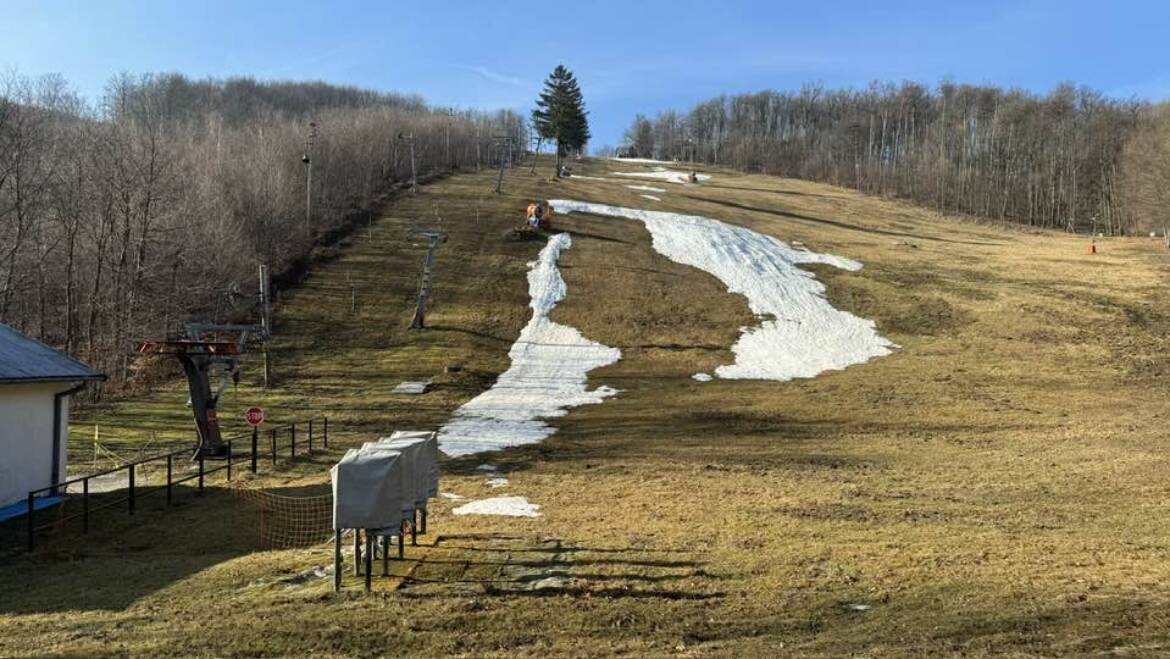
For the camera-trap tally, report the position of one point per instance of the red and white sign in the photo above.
(254, 416)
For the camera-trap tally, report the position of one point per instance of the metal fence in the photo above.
(159, 474)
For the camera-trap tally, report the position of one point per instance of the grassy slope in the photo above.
(997, 485)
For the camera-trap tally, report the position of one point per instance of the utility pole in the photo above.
(434, 239)
(307, 159)
(504, 145)
(265, 320)
(409, 139)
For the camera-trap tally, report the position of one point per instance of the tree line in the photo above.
(1067, 159)
(156, 203)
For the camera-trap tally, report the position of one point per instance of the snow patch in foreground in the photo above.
(496, 482)
(805, 335)
(647, 188)
(507, 506)
(651, 197)
(664, 174)
(547, 376)
(701, 377)
(588, 178)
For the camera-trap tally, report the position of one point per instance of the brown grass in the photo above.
(996, 486)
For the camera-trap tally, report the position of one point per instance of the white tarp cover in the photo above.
(414, 494)
(431, 453)
(367, 490)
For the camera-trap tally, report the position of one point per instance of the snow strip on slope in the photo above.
(664, 174)
(589, 178)
(651, 197)
(647, 188)
(547, 375)
(644, 161)
(508, 506)
(805, 335)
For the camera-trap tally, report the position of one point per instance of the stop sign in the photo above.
(254, 416)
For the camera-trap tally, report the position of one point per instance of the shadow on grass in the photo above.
(836, 223)
(510, 565)
(125, 558)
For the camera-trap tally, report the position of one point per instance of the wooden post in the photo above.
(130, 491)
(32, 524)
(255, 446)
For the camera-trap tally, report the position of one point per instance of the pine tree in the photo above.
(560, 114)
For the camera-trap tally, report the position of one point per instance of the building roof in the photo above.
(24, 359)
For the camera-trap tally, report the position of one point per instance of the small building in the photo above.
(35, 384)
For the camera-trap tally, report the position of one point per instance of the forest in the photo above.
(157, 203)
(1072, 159)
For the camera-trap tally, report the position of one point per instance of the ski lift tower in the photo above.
(408, 138)
(434, 239)
(503, 143)
(203, 359)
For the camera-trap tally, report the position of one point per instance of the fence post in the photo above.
(325, 437)
(310, 436)
(272, 437)
(255, 443)
(200, 473)
(292, 439)
(85, 505)
(229, 460)
(170, 471)
(130, 494)
(32, 524)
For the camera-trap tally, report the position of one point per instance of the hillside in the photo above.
(995, 482)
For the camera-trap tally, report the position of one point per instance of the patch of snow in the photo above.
(644, 161)
(507, 506)
(589, 178)
(550, 362)
(664, 174)
(804, 335)
(496, 482)
(451, 496)
(701, 377)
(488, 467)
(651, 197)
(647, 188)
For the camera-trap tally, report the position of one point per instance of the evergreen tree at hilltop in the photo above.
(560, 114)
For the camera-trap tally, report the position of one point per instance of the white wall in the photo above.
(26, 441)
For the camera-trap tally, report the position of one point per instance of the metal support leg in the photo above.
(369, 560)
(385, 555)
(357, 552)
(336, 561)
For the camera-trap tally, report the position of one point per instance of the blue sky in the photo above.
(630, 56)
